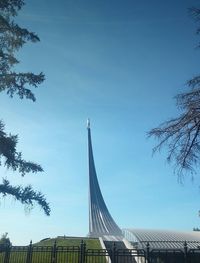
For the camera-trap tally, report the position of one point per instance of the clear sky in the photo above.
(119, 63)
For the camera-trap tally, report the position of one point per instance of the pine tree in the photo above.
(12, 38)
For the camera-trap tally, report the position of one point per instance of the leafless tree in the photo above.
(182, 134)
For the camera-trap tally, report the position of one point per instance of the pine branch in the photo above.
(14, 83)
(11, 6)
(13, 159)
(26, 195)
(12, 38)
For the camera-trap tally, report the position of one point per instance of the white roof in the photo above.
(162, 239)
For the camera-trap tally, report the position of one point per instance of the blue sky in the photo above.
(121, 64)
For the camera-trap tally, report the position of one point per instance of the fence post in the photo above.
(29, 253)
(185, 252)
(147, 252)
(82, 252)
(114, 252)
(54, 256)
(7, 254)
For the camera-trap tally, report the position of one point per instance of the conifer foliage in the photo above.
(12, 38)
(5, 241)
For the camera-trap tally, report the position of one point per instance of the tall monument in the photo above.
(101, 223)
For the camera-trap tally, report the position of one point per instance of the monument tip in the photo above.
(88, 123)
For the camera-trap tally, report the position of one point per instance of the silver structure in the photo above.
(162, 239)
(101, 223)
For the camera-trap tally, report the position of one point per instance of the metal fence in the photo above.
(80, 254)
(181, 255)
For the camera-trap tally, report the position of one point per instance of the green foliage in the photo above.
(5, 241)
(196, 229)
(11, 6)
(12, 158)
(26, 195)
(12, 38)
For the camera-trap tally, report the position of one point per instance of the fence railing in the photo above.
(81, 254)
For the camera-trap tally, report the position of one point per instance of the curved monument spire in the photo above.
(101, 223)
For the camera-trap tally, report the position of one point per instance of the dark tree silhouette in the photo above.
(12, 38)
(182, 134)
(5, 241)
